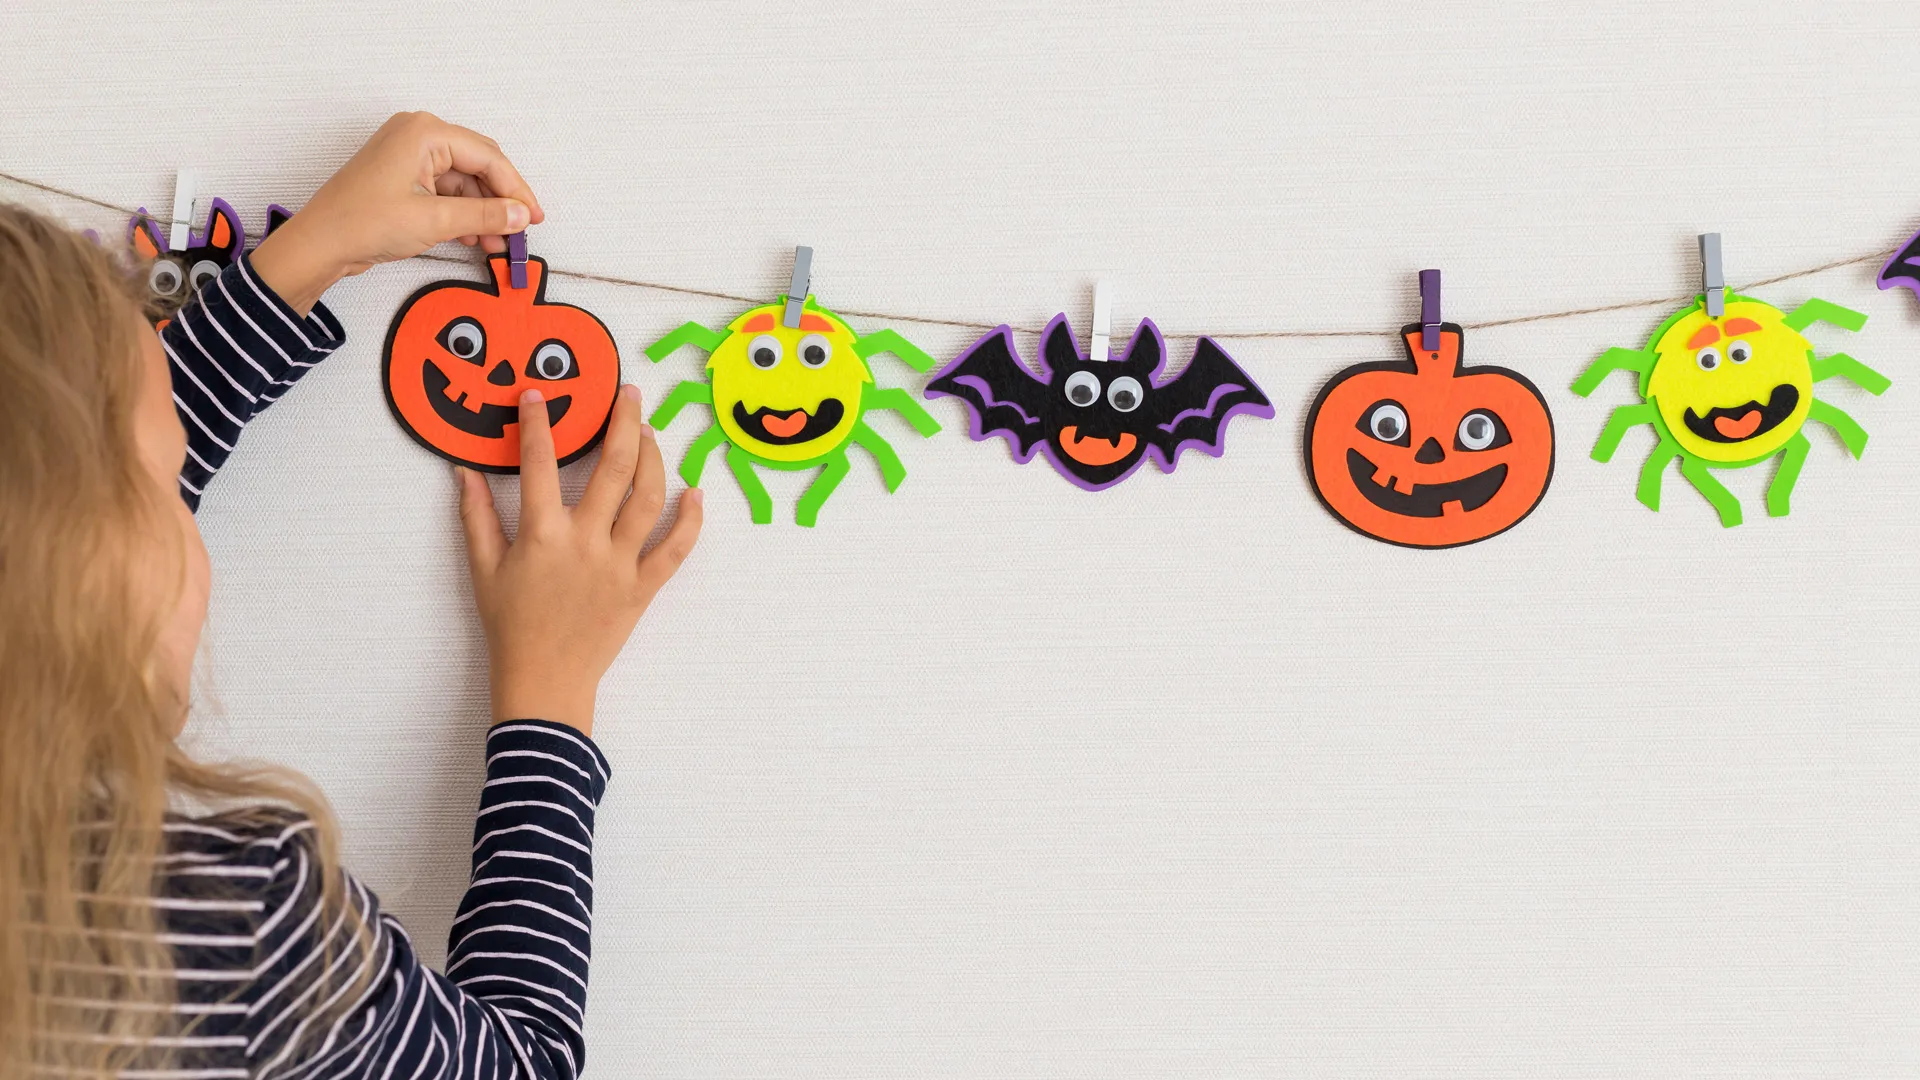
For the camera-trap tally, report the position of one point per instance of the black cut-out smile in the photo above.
(1471, 493)
(1779, 406)
(491, 421)
(825, 417)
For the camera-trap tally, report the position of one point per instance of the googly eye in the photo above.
(1740, 352)
(1083, 388)
(1387, 421)
(1708, 358)
(203, 271)
(164, 277)
(765, 351)
(1124, 393)
(464, 339)
(1480, 430)
(815, 351)
(552, 360)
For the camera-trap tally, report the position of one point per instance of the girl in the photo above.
(140, 941)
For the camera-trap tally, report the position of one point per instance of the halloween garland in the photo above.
(1438, 454)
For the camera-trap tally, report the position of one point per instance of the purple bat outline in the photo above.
(1907, 262)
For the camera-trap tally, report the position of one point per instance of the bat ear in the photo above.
(1059, 347)
(144, 234)
(223, 228)
(1144, 350)
(277, 216)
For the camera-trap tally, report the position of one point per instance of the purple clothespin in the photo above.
(1430, 310)
(517, 259)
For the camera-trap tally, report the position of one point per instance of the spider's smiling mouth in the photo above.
(489, 421)
(1094, 450)
(1743, 422)
(788, 426)
(1427, 500)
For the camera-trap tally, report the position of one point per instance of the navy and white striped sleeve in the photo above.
(234, 349)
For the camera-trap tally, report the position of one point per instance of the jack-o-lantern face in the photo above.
(1428, 453)
(459, 355)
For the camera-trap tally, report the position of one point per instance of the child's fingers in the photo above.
(658, 565)
(486, 542)
(454, 215)
(477, 155)
(539, 473)
(649, 495)
(619, 453)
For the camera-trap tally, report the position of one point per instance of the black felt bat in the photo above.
(1098, 420)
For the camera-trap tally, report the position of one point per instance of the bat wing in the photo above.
(1004, 395)
(1192, 411)
(1903, 269)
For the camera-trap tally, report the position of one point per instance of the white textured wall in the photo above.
(993, 777)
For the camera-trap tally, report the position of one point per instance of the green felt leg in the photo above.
(1611, 361)
(897, 399)
(1855, 372)
(891, 470)
(890, 341)
(688, 334)
(1696, 471)
(687, 393)
(1624, 417)
(695, 463)
(1849, 429)
(808, 510)
(1653, 473)
(758, 500)
(1814, 311)
(1780, 492)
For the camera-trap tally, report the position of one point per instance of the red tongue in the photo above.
(785, 427)
(1748, 423)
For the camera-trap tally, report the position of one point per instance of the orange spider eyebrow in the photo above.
(1741, 326)
(757, 324)
(1706, 335)
(810, 321)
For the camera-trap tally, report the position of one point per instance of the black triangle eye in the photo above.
(465, 340)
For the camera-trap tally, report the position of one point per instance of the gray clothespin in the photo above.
(1102, 350)
(1430, 310)
(1712, 279)
(797, 288)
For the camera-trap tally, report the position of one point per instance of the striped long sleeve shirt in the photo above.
(274, 982)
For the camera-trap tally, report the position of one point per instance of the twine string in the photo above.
(966, 324)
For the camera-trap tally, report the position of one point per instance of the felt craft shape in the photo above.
(1427, 452)
(174, 276)
(460, 353)
(1903, 270)
(1731, 392)
(1097, 421)
(790, 398)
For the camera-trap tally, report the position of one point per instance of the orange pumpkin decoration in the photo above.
(460, 353)
(1426, 452)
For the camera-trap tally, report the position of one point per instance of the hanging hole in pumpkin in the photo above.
(464, 339)
(552, 360)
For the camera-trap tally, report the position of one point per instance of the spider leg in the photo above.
(1624, 417)
(807, 511)
(1696, 471)
(758, 501)
(1653, 473)
(1855, 372)
(1849, 429)
(1611, 361)
(1780, 492)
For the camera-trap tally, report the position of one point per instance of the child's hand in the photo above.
(417, 182)
(558, 603)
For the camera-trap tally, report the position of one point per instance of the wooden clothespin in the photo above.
(1430, 310)
(1713, 280)
(797, 288)
(517, 259)
(1102, 350)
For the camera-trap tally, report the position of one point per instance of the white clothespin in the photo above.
(1713, 281)
(1102, 323)
(180, 226)
(797, 289)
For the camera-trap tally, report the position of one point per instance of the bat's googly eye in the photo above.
(1124, 393)
(1083, 388)
(203, 271)
(764, 351)
(815, 351)
(164, 278)
(1481, 430)
(1387, 421)
(1708, 358)
(1739, 352)
(552, 360)
(464, 339)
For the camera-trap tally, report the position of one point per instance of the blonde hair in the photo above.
(88, 764)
